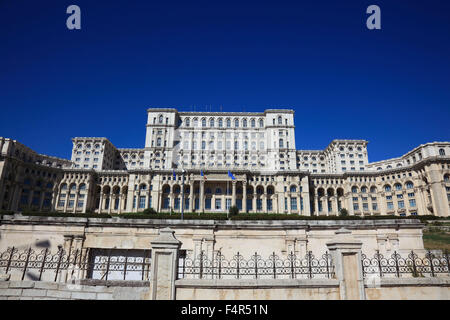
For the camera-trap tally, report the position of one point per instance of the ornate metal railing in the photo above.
(430, 265)
(274, 267)
(102, 264)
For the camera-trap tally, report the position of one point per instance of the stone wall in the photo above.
(40, 290)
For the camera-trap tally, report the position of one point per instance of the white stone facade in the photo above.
(259, 149)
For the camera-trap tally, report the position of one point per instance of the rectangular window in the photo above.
(176, 204)
(249, 204)
(365, 206)
(390, 206)
(258, 204)
(208, 203)
(269, 205)
(294, 203)
(239, 204)
(412, 203)
(61, 203)
(218, 205)
(285, 203)
(374, 206)
(227, 204)
(80, 204)
(166, 203)
(71, 203)
(401, 204)
(355, 207)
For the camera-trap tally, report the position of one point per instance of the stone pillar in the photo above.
(67, 247)
(202, 195)
(100, 202)
(233, 193)
(316, 203)
(41, 200)
(66, 203)
(164, 265)
(244, 197)
(346, 254)
(76, 202)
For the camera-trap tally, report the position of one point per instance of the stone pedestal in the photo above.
(346, 254)
(164, 265)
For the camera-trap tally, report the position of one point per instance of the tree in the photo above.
(234, 210)
(343, 212)
(150, 211)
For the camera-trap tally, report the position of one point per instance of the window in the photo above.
(412, 203)
(441, 152)
(218, 205)
(390, 205)
(387, 188)
(294, 203)
(401, 204)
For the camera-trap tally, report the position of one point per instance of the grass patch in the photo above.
(436, 240)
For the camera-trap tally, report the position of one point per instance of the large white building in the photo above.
(259, 151)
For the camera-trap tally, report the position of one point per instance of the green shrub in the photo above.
(343, 212)
(150, 211)
(234, 210)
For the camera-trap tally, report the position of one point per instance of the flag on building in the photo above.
(203, 175)
(174, 175)
(231, 175)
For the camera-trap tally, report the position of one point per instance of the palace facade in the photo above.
(209, 161)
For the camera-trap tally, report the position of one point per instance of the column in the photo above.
(264, 203)
(55, 196)
(244, 196)
(254, 199)
(41, 200)
(66, 202)
(233, 193)
(191, 196)
(76, 201)
(346, 255)
(316, 203)
(67, 246)
(336, 201)
(100, 202)
(164, 265)
(202, 193)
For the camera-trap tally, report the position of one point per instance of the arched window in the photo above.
(220, 123)
(280, 120)
(409, 185)
(446, 178)
(398, 186)
(143, 187)
(195, 122)
(244, 123)
(354, 189)
(441, 152)
(281, 143)
(228, 123)
(203, 122)
(293, 189)
(387, 188)
(82, 187)
(236, 123)
(161, 118)
(188, 122)
(211, 122)
(261, 123)
(364, 189)
(253, 123)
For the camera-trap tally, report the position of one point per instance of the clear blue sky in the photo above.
(388, 86)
